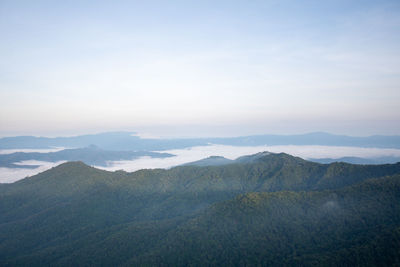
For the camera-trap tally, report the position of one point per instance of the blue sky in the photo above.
(200, 67)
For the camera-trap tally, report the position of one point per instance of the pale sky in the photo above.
(200, 67)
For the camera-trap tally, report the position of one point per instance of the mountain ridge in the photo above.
(276, 210)
(92, 155)
(129, 141)
(278, 169)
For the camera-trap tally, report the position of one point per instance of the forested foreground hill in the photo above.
(272, 210)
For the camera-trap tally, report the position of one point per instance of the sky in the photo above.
(199, 68)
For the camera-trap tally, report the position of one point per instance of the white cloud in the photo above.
(233, 152)
(8, 175)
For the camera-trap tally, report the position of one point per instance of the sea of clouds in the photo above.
(8, 175)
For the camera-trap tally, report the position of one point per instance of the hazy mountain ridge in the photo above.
(74, 214)
(128, 141)
(117, 146)
(219, 161)
(91, 155)
(358, 160)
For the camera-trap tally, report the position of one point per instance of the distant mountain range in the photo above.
(91, 155)
(95, 156)
(358, 160)
(210, 161)
(219, 161)
(128, 141)
(262, 210)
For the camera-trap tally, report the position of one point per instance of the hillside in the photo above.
(354, 226)
(273, 209)
(210, 161)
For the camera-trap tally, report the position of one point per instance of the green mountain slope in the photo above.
(74, 214)
(354, 226)
(210, 161)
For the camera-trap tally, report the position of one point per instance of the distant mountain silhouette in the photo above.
(128, 141)
(91, 155)
(358, 160)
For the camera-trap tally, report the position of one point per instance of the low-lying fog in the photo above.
(233, 152)
(8, 175)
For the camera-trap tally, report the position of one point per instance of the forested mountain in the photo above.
(210, 161)
(270, 209)
(218, 161)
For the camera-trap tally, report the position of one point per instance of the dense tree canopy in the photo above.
(273, 209)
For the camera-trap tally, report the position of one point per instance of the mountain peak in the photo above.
(94, 147)
(252, 158)
(74, 164)
(69, 168)
(210, 161)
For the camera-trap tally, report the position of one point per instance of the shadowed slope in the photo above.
(74, 209)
